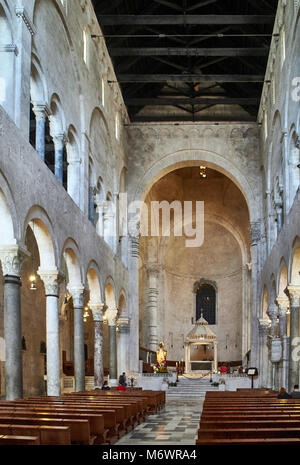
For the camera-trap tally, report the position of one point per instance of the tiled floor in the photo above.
(177, 424)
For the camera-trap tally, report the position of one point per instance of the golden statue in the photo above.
(161, 357)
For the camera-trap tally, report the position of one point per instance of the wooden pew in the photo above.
(79, 429)
(11, 440)
(96, 420)
(248, 417)
(48, 435)
(248, 442)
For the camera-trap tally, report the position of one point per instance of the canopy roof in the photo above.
(200, 332)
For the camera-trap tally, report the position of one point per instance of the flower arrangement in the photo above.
(132, 380)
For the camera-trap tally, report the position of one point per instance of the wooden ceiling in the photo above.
(189, 60)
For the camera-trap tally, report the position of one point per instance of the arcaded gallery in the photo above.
(149, 222)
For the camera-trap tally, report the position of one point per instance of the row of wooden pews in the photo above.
(89, 417)
(249, 417)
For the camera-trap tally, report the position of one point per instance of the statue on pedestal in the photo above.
(161, 357)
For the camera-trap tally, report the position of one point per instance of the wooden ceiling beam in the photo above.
(191, 51)
(138, 20)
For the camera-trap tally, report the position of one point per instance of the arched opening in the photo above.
(92, 192)
(72, 174)
(109, 214)
(295, 270)
(33, 317)
(265, 304)
(170, 263)
(7, 64)
(294, 171)
(206, 302)
(283, 283)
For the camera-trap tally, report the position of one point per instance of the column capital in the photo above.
(293, 293)
(41, 110)
(272, 311)
(153, 269)
(52, 280)
(12, 258)
(264, 325)
(111, 314)
(123, 324)
(283, 303)
(77, 295)
(60, 140)
(97, 310)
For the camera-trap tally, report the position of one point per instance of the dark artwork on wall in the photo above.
(206, 303)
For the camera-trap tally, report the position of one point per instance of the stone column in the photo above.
(124, 343)
(41, 112)
(152, 272)
(255, 230)
(59, 143)
(215, 356)
(133, 302)
(293, 293)
(111, 318)
(51, 281)
(11, 260)
(97, 311)
(79, 362)
(263, 348)
(186, 356)
(283, 304)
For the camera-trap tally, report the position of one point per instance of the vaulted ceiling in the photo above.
(189, 60)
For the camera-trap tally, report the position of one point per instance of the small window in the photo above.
(273, 91)
(103, 92)
(282, 39)
(265, 125)
(118, 126)
(85, 46)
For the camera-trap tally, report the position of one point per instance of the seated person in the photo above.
(122, 379)
(295, 394)
(121, 387)
(283, 394)
(105, 386)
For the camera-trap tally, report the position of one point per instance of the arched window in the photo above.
(206, 301)
(49, 147)
(32, 127)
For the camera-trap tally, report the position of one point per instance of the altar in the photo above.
(201, 335)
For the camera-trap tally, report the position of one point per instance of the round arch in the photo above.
(71, 255)
(94, 283)
(294, 264)
(110, 293)
(41, 225)
(192, 157)
(10, 230)
(282, 279)
(265, 302)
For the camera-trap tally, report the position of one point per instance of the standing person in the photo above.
(283, 394)
(122, 379)
(295, 394)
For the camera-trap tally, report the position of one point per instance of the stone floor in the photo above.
(177, 425)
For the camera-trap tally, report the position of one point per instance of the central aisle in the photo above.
(177, 425)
